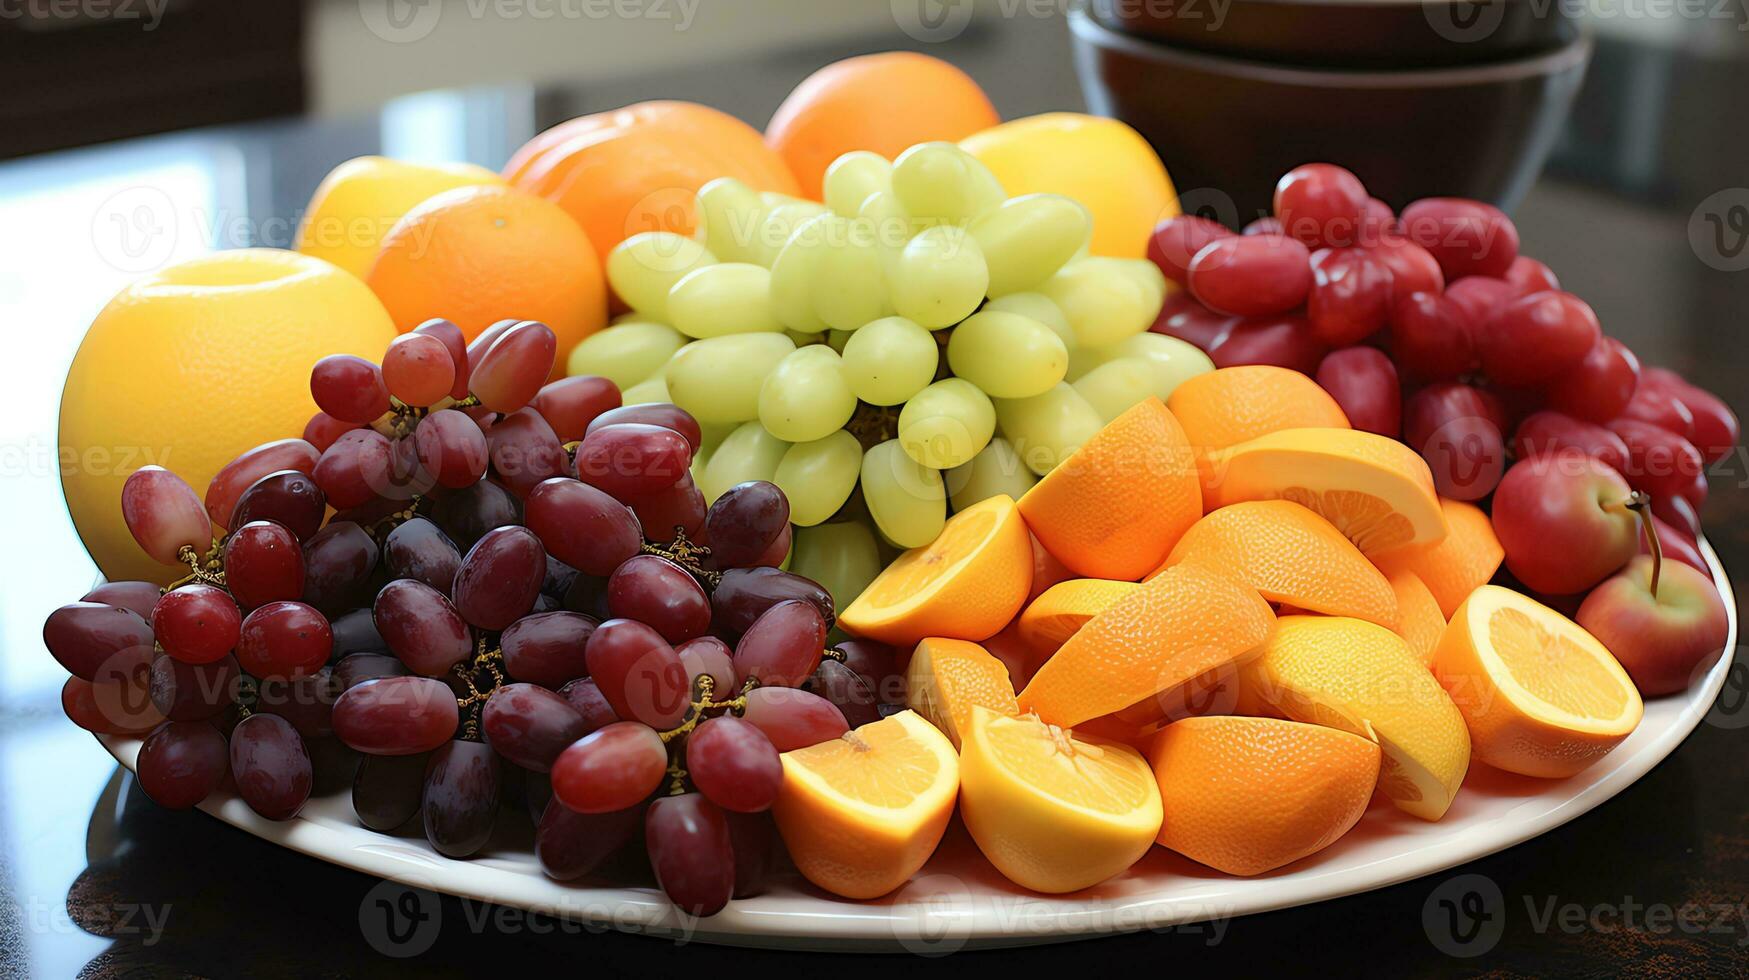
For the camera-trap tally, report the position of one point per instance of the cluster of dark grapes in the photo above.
(521, 599)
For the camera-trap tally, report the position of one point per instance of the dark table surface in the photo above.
(96, 881)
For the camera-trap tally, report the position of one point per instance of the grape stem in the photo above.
(401, 418)
(209, 570)
(489, 659)
(704, 706)
(689, 556)
(1640, 503)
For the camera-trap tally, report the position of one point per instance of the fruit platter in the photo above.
(909, 532)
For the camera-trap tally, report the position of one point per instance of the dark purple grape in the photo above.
(660, 594)
(356, 668)
(585, 695)
(467, 514)
(288, 497)
(356, 632)
(524, 451)
(569, 844)
(558, 578)
(416, 549)
(638, 672)
(753, 837)
(876, 663)
(397, 716)
(338, 561)
(181, 763)
(793, 719)
(99, 642)
(193, 692)
(688, 841)
(583, 526)
(461, 797)
(744, 594)
(744, 521)
(499, 579)
(307, 702)
(241, 473)
(681, 507)
(530, 725)
(408, 475)
(140, 597)
(587, 595)
(263, 563)
(570, 404)
(421, 627)
(284, 639)
(733, 764)
(633, 460)
(610, 769)
(547, 648)
(451, 448)
(783, 646)
(197, 623)
(709, 655)
(270, 765)
(386, 789)
(652, 413)
(510, 372)
(841, 686)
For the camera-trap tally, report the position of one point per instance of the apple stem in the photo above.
(1640, 503)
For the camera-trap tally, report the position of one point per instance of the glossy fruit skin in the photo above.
(530, 725)
(284, 639)
(499, 579)
(386, 790)
(241, 473)
(610, 769)
(1468, 238)
(349, 388)
(460, 801)
(1664, 640)
(1350, 295)
(181, 763)
(140, 597)
(290, 498)
(654, 590)
(396, 716)
(744, 594)
(1413, 268)
(1176, 241)
(742, 523)
(662, 414)
(1716, 431)
(638, 672)
(416, 549)
(110, 708)
(1284, 341)
(99, 642)
(1599, 387)
(1251, 275)
(197, 623)
(193, 692)
(1658, 405)
(417, 369)
(733, 764)
(1527, 275)
(547, 648)
(451, 447)
(514, 368)
(1181, 316)
(356, 468)
(1536, 337)
(1552, 432)
(582, 526)
(1431, 338)
(338, 561)
(680, 506)
(1479, 297)
(849, 693)
(569, 844)
(421, 627)
(792, 718)
(323, 429)
(263, 563)
(1321, 205)
(271, 766)
(1457, 429)
(468, 513)
(1563, 522)
(1364, 382)
(632, 459)
(524, 451)
(571, 405)
(164, 515)
(688, 840)
(1660, 462)
(783, 646)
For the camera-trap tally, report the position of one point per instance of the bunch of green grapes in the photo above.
(918, 336)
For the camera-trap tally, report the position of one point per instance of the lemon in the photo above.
(191, 366)
(1102, 163)
(360, 200)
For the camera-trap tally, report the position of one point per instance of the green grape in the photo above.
(906, 499)
(819, 476)
(892, 226)
(805, 397)
(1174, 361)
(726, 298)
(784, 216)
(625, 353)
(652, 390)
(852, 178)
(943, 182)
(939, 278)
(1007, 354)
(996, 469)
(729, 218)
(748, 453)
(718, 379)
(1112, 387)
(1039, 307)
(947, 423)
(1107, 300)
(1027, 239)
(643, 268)
(850, 282)
(1046, 429)
(889, 360)
(793, 272)
(843, 556)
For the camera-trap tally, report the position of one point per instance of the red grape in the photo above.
(1659, 406)
(1350, 295)
(744, 521)
(421, 627)
(1321, 205)
(582, 526)
(338, 561)
(530, 725)
(733, 764)
(1597, 388)
(793, 719)
(460, 800)
(1364, 382)
(193, 692)
(197, 623)
(354, 669)
(322, 429)
(287, 497)
(99, 642)
(418, 369)
(877, 665)
(499, 579)
(1527, 275)
(709, 656)
(524, 451)
(1660, 462)
(1536, 337)
(164, 515)
(284, 639)
(1480, 297)
(416, 549)
(306, 702)
(349, 388)
(652, 413)
(110, 707)
(783, 646)
(638, 672)
(141, 597)
(396, 716)
(241, 473)
(356, 468)
(1176, 241)
(547, 648)
(1266, 225)
(688, 840)
(387, 788)
(1284, 342)
(451, 447)
(1183, 317)
(263, 562)
(1377, 222)
(181, 763)
(680, 506)
(1251, 275)
(1430, 337)
(754, 839)
(1716, 432)
(743, 595)
(1468, 238)
(512, 370)
(1456, 429)
(456, 344)
(633, 459)
(776, 552)
(847, 691)
(569, 844)
(660, 594)
(1413, 268)
(271, 766)
(585, 695)
(571, 404)
(467, 513)
(1552, 432)
(610, 769)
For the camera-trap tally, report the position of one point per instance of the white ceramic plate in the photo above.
(958, 900)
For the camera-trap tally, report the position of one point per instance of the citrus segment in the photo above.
(1116, 506)
(1289, 555)
(1049, 620)
(1541, 696)
(1186, 621)
(1451, 569)
(1054, 811)
(861, 813)
(1419, 621)
(1230, 405)
(1248, 795)
(946, 679)
(1362, 678)
(966, 584)
(1377, 491)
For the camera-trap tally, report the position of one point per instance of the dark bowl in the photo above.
(1348, 33)
(1227, 128)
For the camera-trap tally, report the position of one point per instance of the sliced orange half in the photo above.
(1054, 616)
(1375, 490)
(966, 584)
(1540, 695)
(861, 813)
(946, 679)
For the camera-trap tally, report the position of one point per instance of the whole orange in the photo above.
(477, 255)
(637, 168)
(879, 102)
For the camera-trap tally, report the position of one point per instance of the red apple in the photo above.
(1563, 521)
(1662, 629)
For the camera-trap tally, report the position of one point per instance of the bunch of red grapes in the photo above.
(521, 599)
(1430, 327)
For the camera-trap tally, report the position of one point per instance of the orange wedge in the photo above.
(1453, 568)
(1541, 696)
(1054, 811)
(966, 584)
(1186, 621)
(1419, 621)
(1292, 556)
(1049, 621)
(861, 813)
(1228, 406)
(1377, 491)
(946, 679)
(1117, 505)
(1248, 795)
